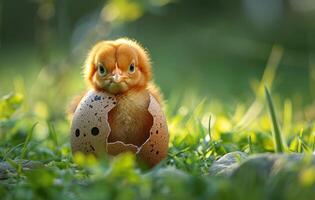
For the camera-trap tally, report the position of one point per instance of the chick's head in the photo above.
(117, 66)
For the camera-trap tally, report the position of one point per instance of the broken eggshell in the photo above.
(90, 130)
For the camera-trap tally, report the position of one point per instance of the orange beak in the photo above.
(116, 75)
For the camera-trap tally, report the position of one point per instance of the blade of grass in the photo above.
(209, 127)
(5, 154)
(27, 141)
(279, 148)
(24, 149)
(52, 133)
(300, 141)
(13, 164)
(249, 140)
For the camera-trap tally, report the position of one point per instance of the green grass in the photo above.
(275, 124)
(36, 160)
(197, 139)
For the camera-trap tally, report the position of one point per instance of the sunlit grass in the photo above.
(198, 137)
(35, 128)
(275, 124)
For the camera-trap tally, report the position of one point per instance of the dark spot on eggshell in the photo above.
(157, 152)
(97, 98)
(92, 147)
(77, 132)
(90, 106)
(84, 135)
(95, 131)
(95, 114)
(156, 131)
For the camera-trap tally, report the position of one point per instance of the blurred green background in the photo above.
(212, 49)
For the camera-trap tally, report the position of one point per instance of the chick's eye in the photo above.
(101, 70)
(132, 68)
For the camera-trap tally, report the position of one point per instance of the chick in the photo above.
(122, 68)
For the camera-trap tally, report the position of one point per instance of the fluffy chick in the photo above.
(122, 67)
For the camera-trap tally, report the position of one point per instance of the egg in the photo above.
(90, 130)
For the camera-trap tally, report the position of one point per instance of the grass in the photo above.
(275, 124)
(36, 161)
(197, 140)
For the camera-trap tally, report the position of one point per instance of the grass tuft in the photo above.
(275, 124)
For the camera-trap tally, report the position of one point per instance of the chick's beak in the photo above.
(116, 75)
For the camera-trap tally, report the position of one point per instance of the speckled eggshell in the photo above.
(156, 147)
(92, 113)
(90, 128)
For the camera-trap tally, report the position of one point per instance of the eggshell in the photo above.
(90, 130)
(91, 115)
(156, 147)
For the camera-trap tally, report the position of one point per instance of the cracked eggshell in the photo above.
(156, 147)
(91, 117)
(89, 128)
